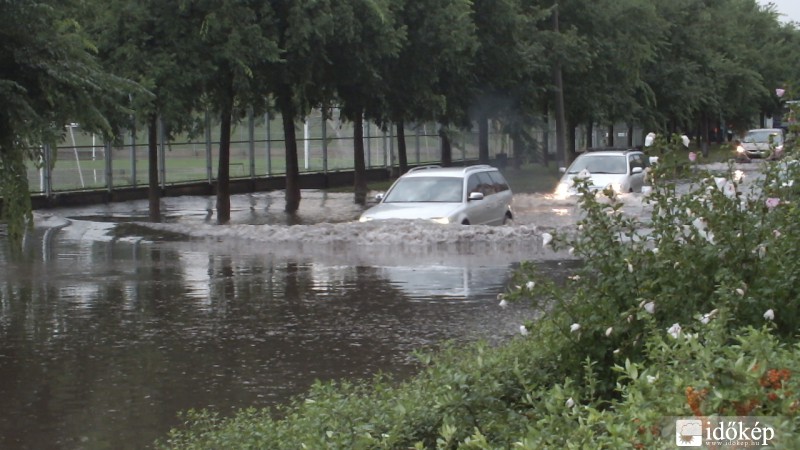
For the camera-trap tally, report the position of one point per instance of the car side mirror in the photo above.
(562, 169)
(475, 196)
(379, 197)
(636, 170)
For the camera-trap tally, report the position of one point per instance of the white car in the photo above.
(472, 195)
(763, 142)
(620, 170)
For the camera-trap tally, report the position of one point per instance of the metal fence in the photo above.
(83, 162)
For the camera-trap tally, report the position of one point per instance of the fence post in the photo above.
(268, 144)
(251, 144)
(162, 158)
(324, 136)
(109, 166)
(417, 143)
(133, 154)
(367, 134)
(48, 171)
(209, 172)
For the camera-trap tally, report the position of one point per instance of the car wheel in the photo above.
(508, 220)
(465, 222)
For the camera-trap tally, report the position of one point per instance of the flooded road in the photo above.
(109, 328)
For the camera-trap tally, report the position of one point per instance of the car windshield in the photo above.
(762, 137)
(600, 164)
(426, 189)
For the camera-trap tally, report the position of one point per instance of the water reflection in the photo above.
(103, 342)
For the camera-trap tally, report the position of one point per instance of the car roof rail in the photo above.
(429, 166)
(477, 166)
(610, 149)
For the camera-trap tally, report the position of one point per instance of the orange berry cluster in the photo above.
(694, 398)
(774, 379)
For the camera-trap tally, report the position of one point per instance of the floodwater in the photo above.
(110, 327)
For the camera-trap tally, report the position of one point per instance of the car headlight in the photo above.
(562, 188)
(364, 219)
(441, 220)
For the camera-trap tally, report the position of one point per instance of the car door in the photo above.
(479, 211)
(636, 160)
(502, 197)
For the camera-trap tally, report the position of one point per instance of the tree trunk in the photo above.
(571, 153)
(447, 149)
(630, 136)
(154, 190)
(401, 147)
(288, 114)
(360, 169)
(224, 166)
(516, 145)
(704, 135)
(483, 138)
(610, 140)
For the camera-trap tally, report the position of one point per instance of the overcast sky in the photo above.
(789, 8)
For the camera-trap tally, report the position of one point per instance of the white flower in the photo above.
(530, 285)
(650, 307)
(707, 317)
(522, 330)
(609, 330)
(685, 140)
(720, 182)
(648, 140)
(769, 315)
(574, 327)
(584, 174)
(571, 250)
(616, 352)
(761, 251)
(630, 267)
(740, 291)
(674, 330)
(738, 175)
(776, 233)
(575, 277)
(569, 403)
(654, 250)
(651, 379)
(503, 302)
(546, 239)
(730, 190)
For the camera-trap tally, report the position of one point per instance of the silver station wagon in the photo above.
(472, 195)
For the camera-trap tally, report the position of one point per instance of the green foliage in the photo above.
(49, 77)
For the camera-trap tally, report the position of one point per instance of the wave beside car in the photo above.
(472, 195)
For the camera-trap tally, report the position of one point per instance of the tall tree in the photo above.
(150, 42)
(49, 77)
(441, 35)
(297, 79)
(368, 35)
(238, 39)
